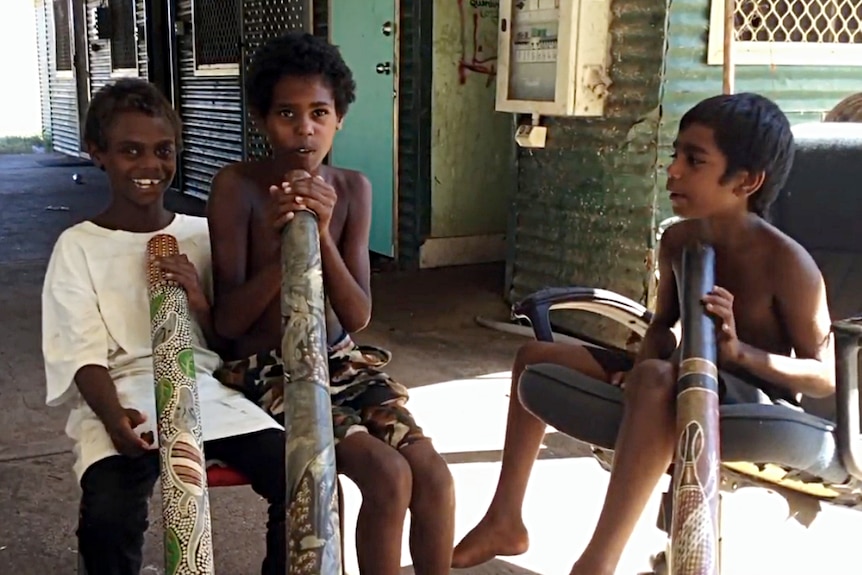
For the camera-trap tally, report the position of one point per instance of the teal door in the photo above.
(364, 31)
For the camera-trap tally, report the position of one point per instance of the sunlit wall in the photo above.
(19, 70)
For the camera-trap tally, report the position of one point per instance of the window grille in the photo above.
(265, 19)
(216, 30)
(790, 32)
(813, 21)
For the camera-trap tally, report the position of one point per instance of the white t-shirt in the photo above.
(95, 311)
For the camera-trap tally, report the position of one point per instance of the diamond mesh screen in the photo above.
(813, 21)
(216, 31)
(124, 41)
(264, 19)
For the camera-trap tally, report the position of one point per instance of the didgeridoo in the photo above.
(185, 502)
(694, 525)
(313, 534)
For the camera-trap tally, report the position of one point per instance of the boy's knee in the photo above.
(534, 352)
(392, 483)
(531, 352)
(430, 472)
(653, 377)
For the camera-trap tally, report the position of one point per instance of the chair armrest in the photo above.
(536, 307)
(848, 337)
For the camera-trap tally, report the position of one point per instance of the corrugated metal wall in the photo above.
(64, 101)
(584, 207)
(64, 117)
(414, 130)
(212, 115)
(43, 41)
(804, 93)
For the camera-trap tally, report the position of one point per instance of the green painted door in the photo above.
(364, 32)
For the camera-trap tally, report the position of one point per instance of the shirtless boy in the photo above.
(299, 89)
(731, 157)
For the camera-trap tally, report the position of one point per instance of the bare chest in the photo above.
(755, 308)
(265, 240)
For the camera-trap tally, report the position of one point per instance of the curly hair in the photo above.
(127, 95)
(298, 54)
(754, 135)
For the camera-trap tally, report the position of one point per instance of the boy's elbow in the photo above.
(823, 386)
(223, 326)
(826, 389)
(820, 391)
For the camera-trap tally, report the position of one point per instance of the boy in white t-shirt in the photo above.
(97, 346)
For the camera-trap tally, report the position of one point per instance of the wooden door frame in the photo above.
(163, 62)
(80, 62)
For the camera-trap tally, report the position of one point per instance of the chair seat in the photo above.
(591, 411)
(220, 475)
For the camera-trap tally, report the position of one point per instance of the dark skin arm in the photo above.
(801, 303)
(98, 390)
(346, 272)
(659, 341)
(239, 301)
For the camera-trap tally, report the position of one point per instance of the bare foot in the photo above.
(489, 539)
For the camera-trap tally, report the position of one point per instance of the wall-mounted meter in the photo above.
(553, 57)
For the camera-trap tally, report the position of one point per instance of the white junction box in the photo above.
(553, 57)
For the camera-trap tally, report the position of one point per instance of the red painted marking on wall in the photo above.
(475, 63)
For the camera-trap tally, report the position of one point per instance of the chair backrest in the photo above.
(821, 208)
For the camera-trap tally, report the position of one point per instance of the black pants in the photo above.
(117, 490)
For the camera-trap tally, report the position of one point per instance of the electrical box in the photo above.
(553, 57)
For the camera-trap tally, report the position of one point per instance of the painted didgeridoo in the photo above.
(313, 534)
(185, 502)
(694, 525)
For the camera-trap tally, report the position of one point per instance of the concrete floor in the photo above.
(459, 377)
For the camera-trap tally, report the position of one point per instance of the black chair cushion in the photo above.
(591, 411)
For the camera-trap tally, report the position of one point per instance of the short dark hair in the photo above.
(302, 55)
(127, 95)
(754, 135)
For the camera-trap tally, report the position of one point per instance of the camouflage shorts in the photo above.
(364, 398)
